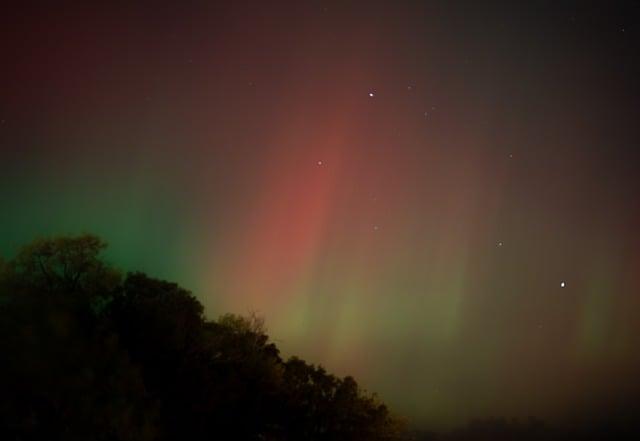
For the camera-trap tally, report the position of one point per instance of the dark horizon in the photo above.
(96, 353)
(439, 198)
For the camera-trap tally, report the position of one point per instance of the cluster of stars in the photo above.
(372, 94)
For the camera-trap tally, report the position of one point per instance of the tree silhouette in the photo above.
(63, 375)
(90, 355)
(67, 264)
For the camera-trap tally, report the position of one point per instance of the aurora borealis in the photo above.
(399, 188)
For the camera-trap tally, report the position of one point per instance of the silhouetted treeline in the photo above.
(90, 354)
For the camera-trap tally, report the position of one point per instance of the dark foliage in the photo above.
(87, 354)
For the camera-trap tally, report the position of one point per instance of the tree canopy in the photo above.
(90, 354)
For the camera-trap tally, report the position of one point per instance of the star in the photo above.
(320, 162)
(371, 94)
(499, 244)
(562, 284)
(376, 228)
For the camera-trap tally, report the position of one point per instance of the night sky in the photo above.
(438, 198)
